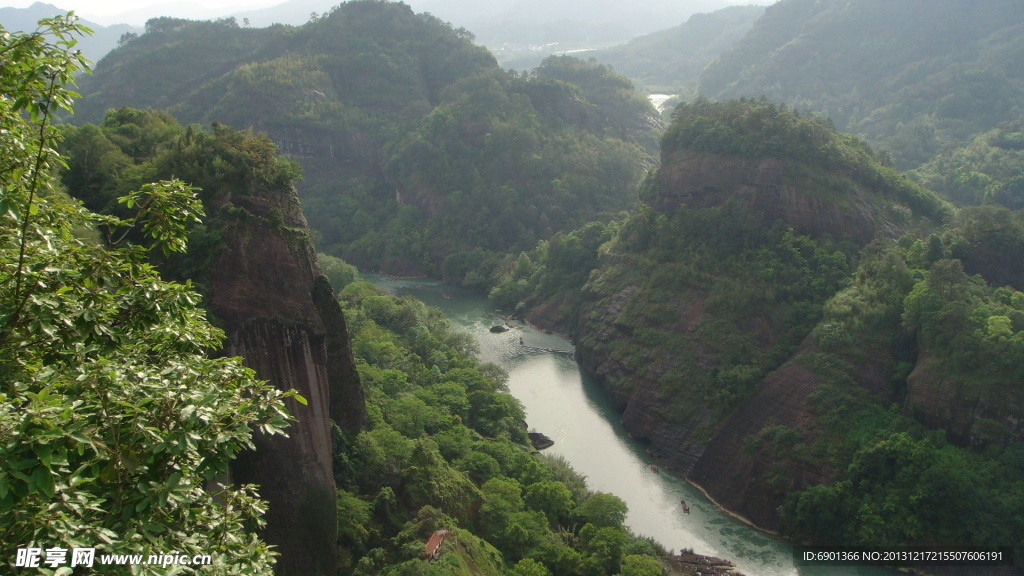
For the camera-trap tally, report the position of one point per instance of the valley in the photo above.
(796, 292)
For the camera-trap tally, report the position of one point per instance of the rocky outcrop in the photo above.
(738, 479)
(812, 204)
(540, 441)
(279, 314)
(972, 415)
(690, 564)
(634, 387)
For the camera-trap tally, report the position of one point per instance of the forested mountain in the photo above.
(790, 323)
(914, 77)
(986, 169)
(671, 61)
(826, 346)
(421, 437)
(415, 145)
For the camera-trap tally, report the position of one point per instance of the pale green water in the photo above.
(563, 404)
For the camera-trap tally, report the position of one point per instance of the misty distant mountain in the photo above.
(671, 61)
(103, 40)
(485, 19)
(913, 76)
(520, 33)
(175, 9)
(512, 29)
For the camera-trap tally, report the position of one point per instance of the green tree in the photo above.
(634, 565)
(338, 272)
(550, 497)
(604, 510)
(113, 420)
(529, 567)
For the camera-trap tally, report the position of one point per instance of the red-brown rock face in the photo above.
(972, 415)
(776, 189)
(280, 315)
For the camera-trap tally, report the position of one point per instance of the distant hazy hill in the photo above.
(913, 76)
(519, 32)
(672, 60)
(103, 40)
(522, 32)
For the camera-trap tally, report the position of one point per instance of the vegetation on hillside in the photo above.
(421, 156)
(725, 243)
(897, 481)
(987, 169)
(446, 448)
(761, 128)
(707, 301)
(415, 145)
(131, 147)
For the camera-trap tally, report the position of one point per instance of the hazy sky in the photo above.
(101, 10)
(136, 12)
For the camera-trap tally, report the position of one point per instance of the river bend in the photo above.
(565, 405)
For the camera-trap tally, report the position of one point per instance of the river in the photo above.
(565, 405)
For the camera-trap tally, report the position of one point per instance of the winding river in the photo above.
(563, 404)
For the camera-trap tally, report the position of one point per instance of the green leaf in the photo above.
(44, 453)
(42, 482)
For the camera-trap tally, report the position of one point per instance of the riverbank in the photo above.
(690, 564)
(728, 512)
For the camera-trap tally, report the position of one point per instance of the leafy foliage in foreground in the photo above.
(112, 417)
(446, 449)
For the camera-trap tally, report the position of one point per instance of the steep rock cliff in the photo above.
(279, 314)
(811, 203)
(972, 414)
(657, 331)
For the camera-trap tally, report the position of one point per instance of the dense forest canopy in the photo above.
(415, 144)
(445, 446)
(446, 449)
(761, 128)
